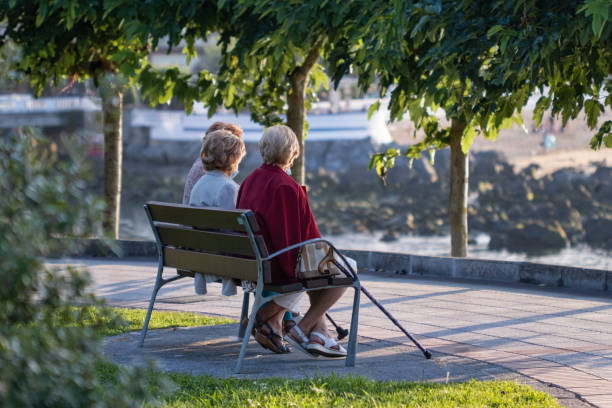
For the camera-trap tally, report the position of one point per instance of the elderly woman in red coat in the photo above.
(281, 207)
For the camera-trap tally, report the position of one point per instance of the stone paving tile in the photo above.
(600, 401)
(594, 387)
(554, 337)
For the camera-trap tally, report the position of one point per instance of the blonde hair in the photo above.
(221, 150)
(279, 145)
(236, 130)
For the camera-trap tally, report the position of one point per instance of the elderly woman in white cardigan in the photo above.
(221, 154)
(197, 170)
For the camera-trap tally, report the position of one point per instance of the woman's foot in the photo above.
(267, 335)
(271, 340)
(296, 337)
(322, 344)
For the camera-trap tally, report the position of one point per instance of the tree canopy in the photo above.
(563, 52)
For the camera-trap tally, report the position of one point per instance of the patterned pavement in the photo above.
(552, 336)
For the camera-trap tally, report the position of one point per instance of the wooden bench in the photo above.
(228, 243)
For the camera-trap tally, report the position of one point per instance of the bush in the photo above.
(43, 363)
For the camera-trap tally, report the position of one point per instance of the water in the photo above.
(581, 256)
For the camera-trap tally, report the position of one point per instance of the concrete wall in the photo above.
(490, 270)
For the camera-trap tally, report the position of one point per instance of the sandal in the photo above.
(325, 349)
(301, 344)
(288, 325)
(256, 326)
(267, 340)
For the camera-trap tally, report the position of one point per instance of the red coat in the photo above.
(281, 207)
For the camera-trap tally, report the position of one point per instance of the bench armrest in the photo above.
(312, 241)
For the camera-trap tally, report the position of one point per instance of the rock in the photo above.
(390, 236)
(442, 164)
(571, 221)
(347, 197)
(529, 172)
(598, 232)
(562, 182)
(602, 184)
(603, 173)
(490, 165)
(532, 238)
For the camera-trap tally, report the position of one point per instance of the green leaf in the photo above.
(229, 98)
(392, 152)
(600, 12)
(374, 160)
(493, 30)
(541, 105)
(432, 156)
(593, 108)
(603, 136)
(373, 108)
(418, 26)
(468, 137)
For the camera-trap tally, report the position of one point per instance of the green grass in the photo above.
(123, 320)
(334, 391)
(331, 391)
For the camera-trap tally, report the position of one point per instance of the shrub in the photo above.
(43, 363)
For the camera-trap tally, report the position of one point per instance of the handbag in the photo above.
(318, 260)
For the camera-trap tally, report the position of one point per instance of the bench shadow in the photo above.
(214, 351)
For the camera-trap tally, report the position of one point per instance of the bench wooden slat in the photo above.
(284, 288)
(340, 281)
(199, 218)
(239, 268)
(207, 241)
(316, 283)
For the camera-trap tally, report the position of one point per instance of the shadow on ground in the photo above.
(213, 350)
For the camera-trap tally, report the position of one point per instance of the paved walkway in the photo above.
(474, 330)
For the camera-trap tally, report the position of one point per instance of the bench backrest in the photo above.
(209, 240)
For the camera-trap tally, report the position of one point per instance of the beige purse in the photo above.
(317, 261)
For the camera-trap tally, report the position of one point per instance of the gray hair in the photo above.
(279, 145)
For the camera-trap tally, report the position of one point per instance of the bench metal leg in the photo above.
(245, 340)
(158, 284)
(243, 315)
(352, 343)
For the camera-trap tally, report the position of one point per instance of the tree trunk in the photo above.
(459, 181)
(296, 114)
(296, 111)
(112, 100)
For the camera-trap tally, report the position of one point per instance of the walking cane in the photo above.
(342, 332)
(364, 290)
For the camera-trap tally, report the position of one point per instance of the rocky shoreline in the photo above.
(520, 212)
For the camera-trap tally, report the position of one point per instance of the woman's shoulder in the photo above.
(230, 184)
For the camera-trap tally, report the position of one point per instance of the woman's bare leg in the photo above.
(273, 315)
(320, 302)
